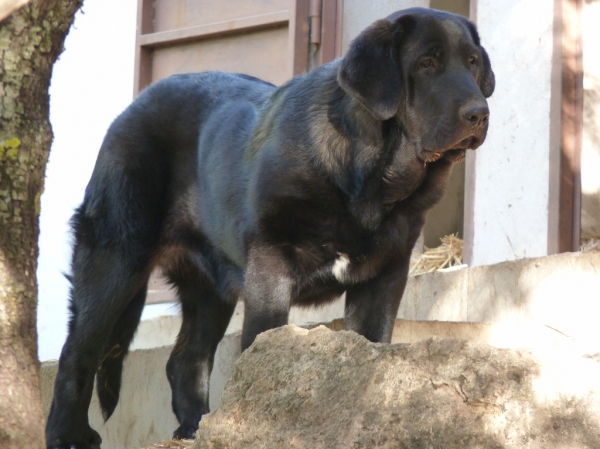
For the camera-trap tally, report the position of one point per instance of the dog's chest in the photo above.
(349, 269)
(341, 267)
(345, 267)
(358, 257)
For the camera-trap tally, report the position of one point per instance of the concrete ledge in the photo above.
(560, 292)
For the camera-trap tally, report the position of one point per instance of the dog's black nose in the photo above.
(476, 114)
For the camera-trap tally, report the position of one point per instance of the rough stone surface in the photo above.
(296, 388)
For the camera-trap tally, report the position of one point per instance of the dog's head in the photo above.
(428, 69)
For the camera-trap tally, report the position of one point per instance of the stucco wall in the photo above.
(356, 17)
(590, 157)
(512, 168)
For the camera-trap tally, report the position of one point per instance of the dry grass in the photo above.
(590, 243)
(448, 254)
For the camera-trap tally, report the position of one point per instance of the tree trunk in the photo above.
(31, 39)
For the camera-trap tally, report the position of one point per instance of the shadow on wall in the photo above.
(447, 217)
(590, 157)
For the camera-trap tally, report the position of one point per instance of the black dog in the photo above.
(281, 196)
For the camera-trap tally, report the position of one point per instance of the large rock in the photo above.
(296, 388)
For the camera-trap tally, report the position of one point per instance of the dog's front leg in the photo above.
(371, 306)
(267, 292)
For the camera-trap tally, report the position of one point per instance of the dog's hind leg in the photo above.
(106, 288)
(205, 318)
(108, 377)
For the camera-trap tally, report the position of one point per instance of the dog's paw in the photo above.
(73, 445)
(185, 432)
(92, 440)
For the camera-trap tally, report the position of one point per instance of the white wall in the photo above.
(91, 84)
(590, 153)
(357, 16)
(512, 167)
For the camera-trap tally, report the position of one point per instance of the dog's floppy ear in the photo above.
(487, 80)
(370, 71)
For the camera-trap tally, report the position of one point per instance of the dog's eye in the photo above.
(426, 63)
(472, 60)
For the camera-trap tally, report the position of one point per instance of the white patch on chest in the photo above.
(340, 266)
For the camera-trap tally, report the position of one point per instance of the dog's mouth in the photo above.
(455, 152)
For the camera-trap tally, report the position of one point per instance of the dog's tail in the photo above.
(108, 376)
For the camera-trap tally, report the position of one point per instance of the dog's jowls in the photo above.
(279, 196)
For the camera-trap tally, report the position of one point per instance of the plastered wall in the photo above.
(590, 157)
(511, 175)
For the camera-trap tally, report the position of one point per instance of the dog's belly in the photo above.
(319, 293)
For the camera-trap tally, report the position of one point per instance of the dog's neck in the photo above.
(375, 164)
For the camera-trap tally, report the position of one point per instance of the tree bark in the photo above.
(31, 39)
